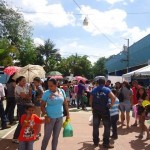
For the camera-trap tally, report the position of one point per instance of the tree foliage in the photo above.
(48, 55)
(76, 65)
(17, 32)
(7, 52)
(99, 67)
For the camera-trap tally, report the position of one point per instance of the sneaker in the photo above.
(15, 141)
(6, 127)
(108, 146)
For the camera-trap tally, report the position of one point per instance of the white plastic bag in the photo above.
(91, 120)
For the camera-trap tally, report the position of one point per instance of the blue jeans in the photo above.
(21, 111)
(96, 122)
(54, 127)
(114, 120)
(2, 115)
(26, 145)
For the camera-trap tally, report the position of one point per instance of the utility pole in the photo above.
(127, 55)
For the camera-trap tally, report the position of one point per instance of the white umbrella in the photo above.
(30, 72)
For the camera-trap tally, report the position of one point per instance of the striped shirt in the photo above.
(114, 110)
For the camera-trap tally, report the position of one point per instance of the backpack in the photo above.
(100, 102)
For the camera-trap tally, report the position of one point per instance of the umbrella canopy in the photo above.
(54, 73)
(11, 70)
(30, 72)
(56, 77)
(78, 78)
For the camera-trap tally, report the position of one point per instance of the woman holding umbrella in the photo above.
(22, 98)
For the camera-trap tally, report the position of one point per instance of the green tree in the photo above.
(76, 65)
(7, 52)
(27, 54)
(99, 67)
(48, 55)
(17, 31)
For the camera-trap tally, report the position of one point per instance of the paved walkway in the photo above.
(82, 139)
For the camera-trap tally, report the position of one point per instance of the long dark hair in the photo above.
(126, 84)
(144, 94)
(19, 79)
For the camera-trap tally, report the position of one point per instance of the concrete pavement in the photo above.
(82, 139)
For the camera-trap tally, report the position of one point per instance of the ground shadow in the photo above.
(88, 145)
(6, 144)
(139, 144)
(124, 131)
(77, 110)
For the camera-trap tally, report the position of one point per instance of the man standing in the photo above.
(2, 112)
(80, 93)
(99, 103)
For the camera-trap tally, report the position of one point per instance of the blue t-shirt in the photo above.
(100, 99)
(54, 103)
(99, 88)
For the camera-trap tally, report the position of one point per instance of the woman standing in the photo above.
(142, 95)
(11, 102)
(22, 99)
(52, 108)
(125, 106)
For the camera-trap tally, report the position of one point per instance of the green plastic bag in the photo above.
(68, 130)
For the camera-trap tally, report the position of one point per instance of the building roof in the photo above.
(139, 54)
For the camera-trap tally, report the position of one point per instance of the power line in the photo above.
(106, 37)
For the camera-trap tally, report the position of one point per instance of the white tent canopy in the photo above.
(145, 71)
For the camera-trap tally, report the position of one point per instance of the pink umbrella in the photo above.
(56, 77)
(78, 78)
(11, 70)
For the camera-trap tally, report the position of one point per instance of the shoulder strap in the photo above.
(62, 92)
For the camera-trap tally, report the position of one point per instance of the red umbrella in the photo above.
(11, 70)
(78, 78)
(56, 77)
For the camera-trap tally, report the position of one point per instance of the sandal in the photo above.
(140, 136)
(135, 124)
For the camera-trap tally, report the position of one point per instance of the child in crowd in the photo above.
(114, 115)
(38, 92)
(73, 97)
(28, 131)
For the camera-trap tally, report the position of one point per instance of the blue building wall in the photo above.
(139, 54)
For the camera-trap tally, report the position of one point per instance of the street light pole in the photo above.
(128, 55)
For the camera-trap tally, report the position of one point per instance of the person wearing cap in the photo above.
(99, 102)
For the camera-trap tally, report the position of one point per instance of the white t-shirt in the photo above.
(19, 89)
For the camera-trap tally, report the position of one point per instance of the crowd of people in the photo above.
(48, 102)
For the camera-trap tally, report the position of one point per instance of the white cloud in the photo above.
(113, 1)
(107, 22)
(116, 1)
(94, 52)
(43, 13)
(135, 34)
(38, 41)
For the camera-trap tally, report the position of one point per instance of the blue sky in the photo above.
(110, 23)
